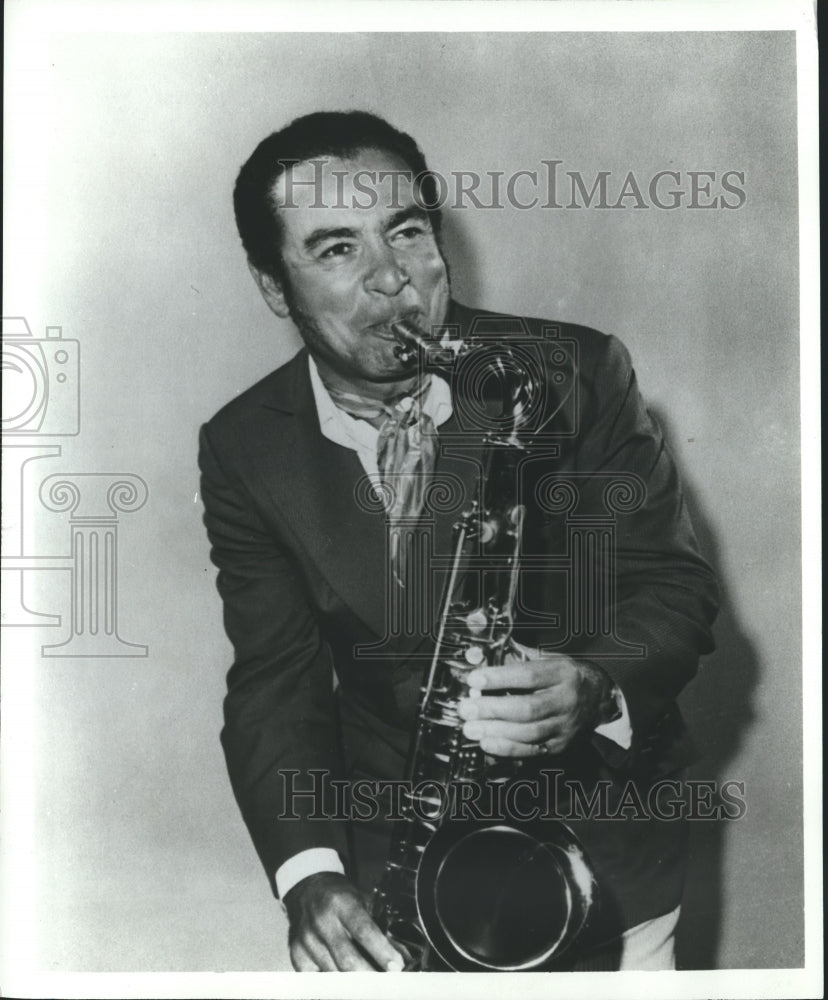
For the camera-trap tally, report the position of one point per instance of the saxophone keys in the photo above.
(476, 621)
(474, 655)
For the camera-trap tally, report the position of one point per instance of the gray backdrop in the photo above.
(142, 859)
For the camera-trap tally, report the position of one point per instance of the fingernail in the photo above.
(395, 965)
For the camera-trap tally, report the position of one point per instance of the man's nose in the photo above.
(385, 273)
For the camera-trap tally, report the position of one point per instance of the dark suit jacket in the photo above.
(302, 574)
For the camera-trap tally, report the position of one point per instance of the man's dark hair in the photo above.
(339, 134)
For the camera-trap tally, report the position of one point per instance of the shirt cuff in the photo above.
(309, 862)
(619, 730)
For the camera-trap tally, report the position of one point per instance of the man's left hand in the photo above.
(563, 697)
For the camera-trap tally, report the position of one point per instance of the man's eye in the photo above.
(411, 232)
(337, 250)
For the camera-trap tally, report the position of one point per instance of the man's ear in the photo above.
(271, 291)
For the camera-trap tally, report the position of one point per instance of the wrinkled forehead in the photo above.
(371, 180)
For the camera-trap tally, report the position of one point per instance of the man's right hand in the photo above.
(331, 930)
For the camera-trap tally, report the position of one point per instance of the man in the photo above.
(337, 215)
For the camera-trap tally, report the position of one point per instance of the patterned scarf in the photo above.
(406, 457)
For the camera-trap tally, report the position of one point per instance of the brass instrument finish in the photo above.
(461, 894)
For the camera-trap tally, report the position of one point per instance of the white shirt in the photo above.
(359, 436)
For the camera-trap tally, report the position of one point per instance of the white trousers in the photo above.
(650, 946)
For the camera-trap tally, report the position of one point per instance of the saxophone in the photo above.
(469, 895)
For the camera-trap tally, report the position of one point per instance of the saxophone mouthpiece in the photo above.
(410, 340)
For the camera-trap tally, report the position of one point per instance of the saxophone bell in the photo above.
(498, 898)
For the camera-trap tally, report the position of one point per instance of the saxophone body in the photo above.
(459, 894)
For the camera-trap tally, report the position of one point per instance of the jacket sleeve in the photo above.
(279, 715)
(665, 593)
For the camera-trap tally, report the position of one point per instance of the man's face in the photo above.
(351, 271)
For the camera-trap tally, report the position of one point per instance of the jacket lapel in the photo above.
(345, 539)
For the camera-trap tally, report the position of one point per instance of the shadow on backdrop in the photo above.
(718, 708)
